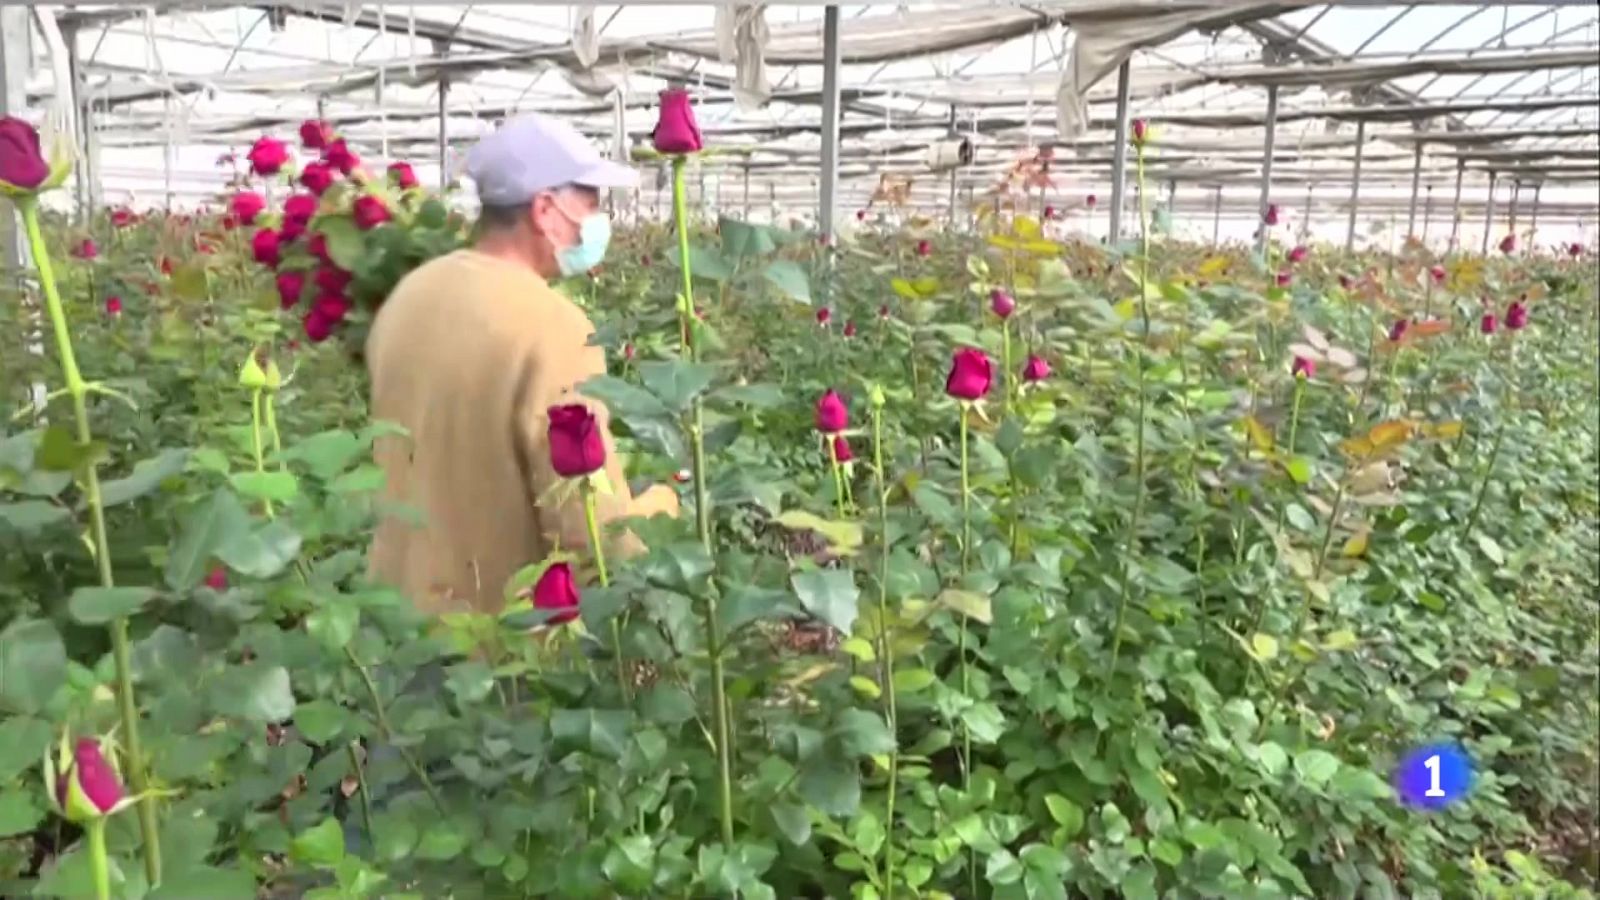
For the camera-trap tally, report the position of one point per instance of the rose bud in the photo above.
(1299, 253)
(557, 591)
(268, 156)
(969, 376)
(824, 316)
(833, 416)
(264, 246)
(1517, 316)
(1002, 303)
(577, 448)
(1304, 367)
(317, 177)
(676, 131)
(403, 176)
(315, 135)
(339, 155)
(290, 286)
(1397, 331)
(318, 328)
(82, 784)
(370, 212)
(22, 164)
(1488, 324)
(841, 449)
(1036, 369)
(113, 305)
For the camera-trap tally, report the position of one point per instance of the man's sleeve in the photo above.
(562, 360)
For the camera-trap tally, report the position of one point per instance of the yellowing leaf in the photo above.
(1264, 647)
(866, 687)
(1444, 431)
(1343, 639)
(1356, 545)
(1260, 437)
(844, 538)
(1046, 248)
(1391, 434)
(860, 649)
(973, 606)
(1126, 308)
(1026, 227)
(1214, 266)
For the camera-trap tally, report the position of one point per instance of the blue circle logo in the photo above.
(1434, 776)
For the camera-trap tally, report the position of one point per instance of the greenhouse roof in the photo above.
(1511, 89)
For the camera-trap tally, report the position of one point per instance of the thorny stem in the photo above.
(593, 522)
(886, 647)
(702, 514)
(1130, 541)
(128, 711)
(382, 717)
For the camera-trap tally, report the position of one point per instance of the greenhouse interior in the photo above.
(463, 450)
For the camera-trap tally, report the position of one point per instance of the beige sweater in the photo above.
(466, 355)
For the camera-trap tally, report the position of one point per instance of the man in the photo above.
(469, 352)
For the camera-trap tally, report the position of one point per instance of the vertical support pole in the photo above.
(15, 54)
(1488, 213)
(1427, 214)
(1355, 186)
(1268, 146)
(772, 197)
(1533, 224)
(1455, 206)
(1516, 201)
(322, 107)
(1305, 215)
(951, 134)
(1216, 217)
(167, 150)
(1119, 164)
(1416, 183)
(830, 121)
(80, 143)
(442, 49)
(745, 211)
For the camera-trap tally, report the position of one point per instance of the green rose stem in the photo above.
(1305, 608)
(961, 644)
(1494, 449)
(593, 522)
(838, 475)
(885, 638)
(76, 388)
(99, 862)
(1294, 428)
(1007, 384)
(702, 514)
(1130, 541)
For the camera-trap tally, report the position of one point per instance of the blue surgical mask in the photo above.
(594, 235)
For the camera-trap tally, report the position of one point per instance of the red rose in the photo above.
(331, 307)
(122, 217)
(556, 590)
(1284, 278)
(22, 163)
(1575, 250)
(969, 375)
(370, 212)
(318, 245)
(291, 230)
(87, 786)
(1139, 129)
(824, 316)
(1002, 303)
(318, 329)
(317, 177)
(339, 155)
(300, 208)
(861, 215)
(217, 579)
(1397, 331)
(264, 245)
(924, 248)
(268, 156)
(1270, 217)
(1036, 369)
(1517, 316)
(1298, 254)
(114, 306)
(1090, 201)
(676, 131)
(246, 205)
(332, 279)
(1508, 244)
(290, 286)
(841, 449)
(403, 176)
(833, 416)
(1488, 324)
(86, 249)
(849, 329)
(1049, 213)
(576, 446)
(1438, 274)
(1304, 367)
(315, 135)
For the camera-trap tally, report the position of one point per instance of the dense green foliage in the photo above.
(1204, 606)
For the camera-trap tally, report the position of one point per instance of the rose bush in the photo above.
(1157, 623)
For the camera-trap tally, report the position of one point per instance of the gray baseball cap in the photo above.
(534, 153)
